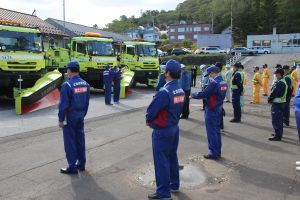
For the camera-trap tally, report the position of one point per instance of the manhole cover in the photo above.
(190, 177)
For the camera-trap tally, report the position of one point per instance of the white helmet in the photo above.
(228, 66)
(202, 66)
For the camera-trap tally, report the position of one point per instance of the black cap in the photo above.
(236, 65)
(286, 67)
(257, 68)
(241, 66)
(278, 66)
(265, 65)
(279, 71)
(219, 65)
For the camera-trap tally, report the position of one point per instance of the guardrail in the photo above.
(234, 59)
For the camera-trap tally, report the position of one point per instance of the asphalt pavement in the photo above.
(119, 151)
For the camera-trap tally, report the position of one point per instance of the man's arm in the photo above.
(278, 91)
(64, 101)
(88, 100)
(159, 102)
(206, 92)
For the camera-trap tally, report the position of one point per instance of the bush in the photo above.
(194, 59)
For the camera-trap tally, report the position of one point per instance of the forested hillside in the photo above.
(249, 16)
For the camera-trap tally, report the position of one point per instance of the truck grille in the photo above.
(149, 66)
(21, 66)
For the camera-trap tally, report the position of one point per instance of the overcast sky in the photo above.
(88, 12)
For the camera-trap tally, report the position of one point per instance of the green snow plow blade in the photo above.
(43, 94)
(127, 79)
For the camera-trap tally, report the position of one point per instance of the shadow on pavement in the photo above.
(87, 188)
(259, 145)
(182, 196)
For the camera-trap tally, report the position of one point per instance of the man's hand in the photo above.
(148, 124)
(61, 124)
(190, 97)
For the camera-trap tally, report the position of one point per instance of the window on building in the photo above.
(172, 37)
(197, 28)
(172, 30)
(181, 37)
(195, 37)
(291, 42)
(181, 30)
(206, 28)
(261, 43)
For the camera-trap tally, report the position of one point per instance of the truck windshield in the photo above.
(146, 50)
(98, 48)
(18, 41)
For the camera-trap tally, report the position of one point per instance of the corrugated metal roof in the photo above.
(29, 21)
(80, 30)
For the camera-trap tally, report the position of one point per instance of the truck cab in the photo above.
(22, 60)
(141, 57)
(93, 53)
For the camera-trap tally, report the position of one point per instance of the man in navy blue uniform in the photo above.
(215, 94)
(186, 84)
(162, 116)
(290, 82)
(297, 111)
(73, 107)
(237, 89)
(117, 84)
(107, 79)
(278, 99)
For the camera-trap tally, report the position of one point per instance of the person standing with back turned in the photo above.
(163, 116)
(237, 89)
(73, 107)
(265, 79)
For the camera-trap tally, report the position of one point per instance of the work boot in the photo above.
(156, 196)
(297, 163)
(68, 171)
(235, 121)
(274, 139)
(298, 168)
(210, 157)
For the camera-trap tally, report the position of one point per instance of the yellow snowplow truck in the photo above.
(23, 73)
(141, 58)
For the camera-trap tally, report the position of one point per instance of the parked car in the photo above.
(261, 50)
(209, 50)
(243, 51)
(177, 52)
(188, 50)
(161, 53)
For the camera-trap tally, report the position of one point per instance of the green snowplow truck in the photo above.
(141, 58)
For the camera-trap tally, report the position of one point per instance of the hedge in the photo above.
(195, 59)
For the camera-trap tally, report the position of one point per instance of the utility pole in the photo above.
(231, 24)
(64, 18)
(212, 22)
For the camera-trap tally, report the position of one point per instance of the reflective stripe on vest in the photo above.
(292, 80)
(283, 98)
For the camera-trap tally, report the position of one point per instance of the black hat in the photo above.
(265, 65)
(257, 68)
(236, 65)
(278, 66)
(279, 71)
(219, 65)
(241, 66)
(286, 67)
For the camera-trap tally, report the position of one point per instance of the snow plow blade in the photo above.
(126, 82)
(43, 94)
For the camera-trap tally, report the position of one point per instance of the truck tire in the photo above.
(266, 52)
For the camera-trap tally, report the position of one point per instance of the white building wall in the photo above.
(280, 43)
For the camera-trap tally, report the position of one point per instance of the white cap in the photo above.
(182, 66)
(163, 67)
(228, 66)
(202, 66)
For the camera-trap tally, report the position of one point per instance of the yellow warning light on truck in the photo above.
(91, 34)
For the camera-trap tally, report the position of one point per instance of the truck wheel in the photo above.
(266, 52)
(251, 53)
